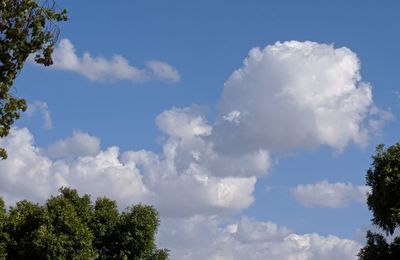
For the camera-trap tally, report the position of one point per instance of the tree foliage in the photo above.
(26, 27)
(69, 226)
(384, 201)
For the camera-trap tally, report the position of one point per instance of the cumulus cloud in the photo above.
(287, 96)
(40, 107)
(293, 95)
(330, 195)
(29, 174)
(102, 69)
(202, 237)
(193, 192)
(190, 144)
(179, 182)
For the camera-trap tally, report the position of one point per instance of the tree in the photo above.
(3, 234)
(68, 226)
(70, 237)
(384, 201)
(25, 223)
(26, 27)
(135, 234)
(103, 225)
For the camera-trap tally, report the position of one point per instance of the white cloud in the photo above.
(28, 174)
(41, 108)
(175, 184)
(163, 71)
(331, 195)
(190, 147)
(377, 119)
(101, 69)
(143, 176)
(79, 144)
(201, 237)
(233, 116)
(183, 123)
(286, 96)
(249, 231)
(293, 95)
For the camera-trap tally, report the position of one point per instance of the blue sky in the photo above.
(296, 162)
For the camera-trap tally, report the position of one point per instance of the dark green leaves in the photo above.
(384, 179)
(68, 226)
(384, 201)
(378, 248)
(26, 27)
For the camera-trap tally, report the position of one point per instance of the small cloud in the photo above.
(329, 195)
(268, 188)
(163, 71)
(40, 107)
(397, 94)
(99, 68)
(233, 116)
(377, 119)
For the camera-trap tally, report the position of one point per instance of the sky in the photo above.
(249, 125)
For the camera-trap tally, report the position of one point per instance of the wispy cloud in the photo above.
(163, 71)
(117, 68)
(329, 195)
(40, 107)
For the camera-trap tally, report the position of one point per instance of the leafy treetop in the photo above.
(384, 201)
(384, 179)
(69, 226)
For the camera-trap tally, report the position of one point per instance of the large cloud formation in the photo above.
(293, 95)
(201, 237)
(188, 178)
(287, 96)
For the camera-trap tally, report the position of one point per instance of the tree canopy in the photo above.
(69, 226)
(384, 201)
(26, 27)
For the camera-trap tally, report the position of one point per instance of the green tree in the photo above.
(26, 220)
(26, 27)
(3, 234)
(135, 234)
(384, 201)
(70, 237)
(68, 226)
(103, 225)
(130, 235)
